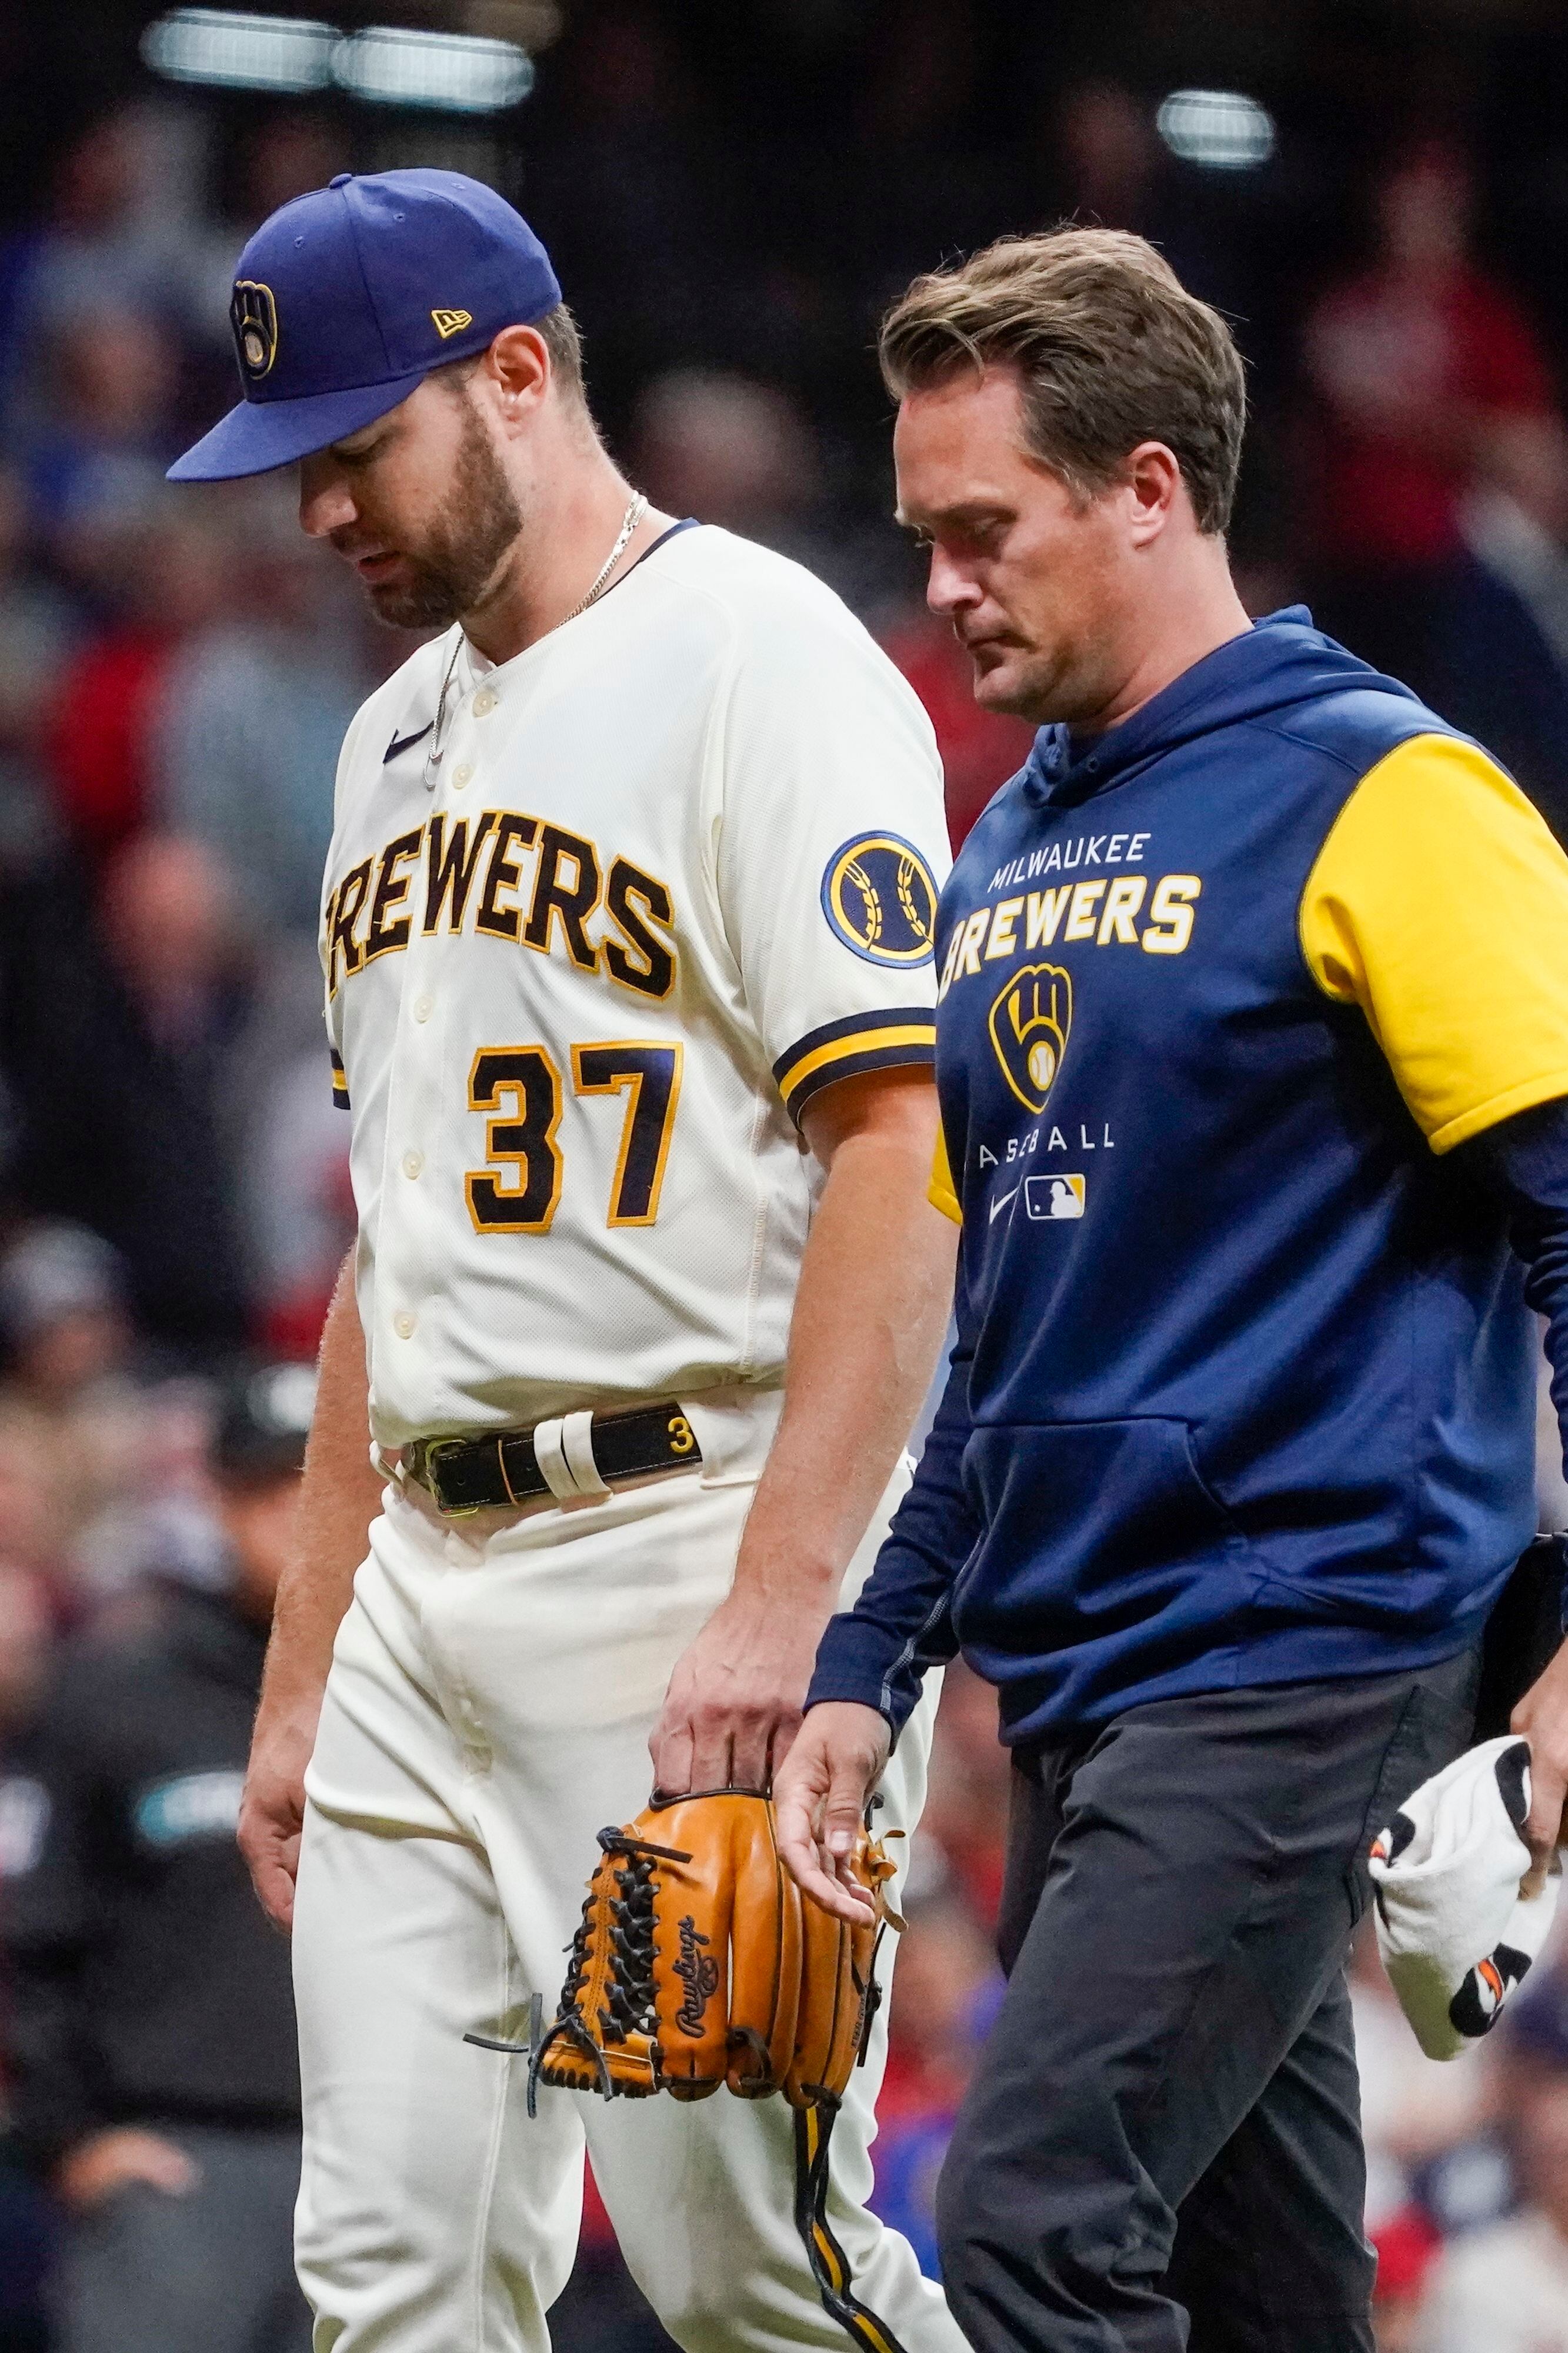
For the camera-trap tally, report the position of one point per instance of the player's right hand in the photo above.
(820, 1794)
(272, 1810)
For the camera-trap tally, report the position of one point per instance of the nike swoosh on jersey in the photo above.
(1002, 1201)
(406, 743)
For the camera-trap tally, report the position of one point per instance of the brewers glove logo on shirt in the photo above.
(253, 315)
(879, 897)
(1029, 1024)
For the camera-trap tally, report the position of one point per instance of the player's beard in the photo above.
(450, 573)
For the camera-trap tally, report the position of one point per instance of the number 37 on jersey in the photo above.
(519, 1087)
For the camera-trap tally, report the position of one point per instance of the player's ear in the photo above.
(516, 368)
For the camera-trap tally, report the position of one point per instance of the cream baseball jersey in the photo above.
(674, 870)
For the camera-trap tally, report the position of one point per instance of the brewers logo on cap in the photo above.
(253, 315)
(1029, 1023)
(879, 896)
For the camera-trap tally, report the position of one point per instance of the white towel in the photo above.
(1455, 1932)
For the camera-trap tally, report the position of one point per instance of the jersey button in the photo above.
(422, 1008)
(403, 1325)
(414, 1164)
(484, 702)
(461, 775)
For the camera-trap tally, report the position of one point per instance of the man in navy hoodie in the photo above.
(1253, 1061)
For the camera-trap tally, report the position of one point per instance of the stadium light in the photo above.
(1219, 129)
(386, 65)
(236, 51)
(456, 71)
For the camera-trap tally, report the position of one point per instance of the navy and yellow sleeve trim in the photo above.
(340, 1082)
(847, 1049)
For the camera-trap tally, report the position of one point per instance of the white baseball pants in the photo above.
(488, 1708)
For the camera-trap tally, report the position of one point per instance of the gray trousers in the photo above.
(211, 2272)
(1161, 2151)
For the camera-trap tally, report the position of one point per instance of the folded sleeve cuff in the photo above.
(855, 1660)
(846, 1049)
(1549, 1086)
(340, 1084)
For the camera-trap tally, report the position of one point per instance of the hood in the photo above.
(1278, 665)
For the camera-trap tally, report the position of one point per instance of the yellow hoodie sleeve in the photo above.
(1439, 905)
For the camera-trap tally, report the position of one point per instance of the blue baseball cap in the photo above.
(346, 299)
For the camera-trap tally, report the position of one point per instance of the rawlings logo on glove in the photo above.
(700, 1973)
(698, 1962)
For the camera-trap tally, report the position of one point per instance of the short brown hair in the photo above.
(564, 343)
(1110, 348)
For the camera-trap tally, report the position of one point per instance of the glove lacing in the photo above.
(630, 1989)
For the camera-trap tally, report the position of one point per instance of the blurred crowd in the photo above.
(176, 670)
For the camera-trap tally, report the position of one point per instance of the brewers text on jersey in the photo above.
(571, 884)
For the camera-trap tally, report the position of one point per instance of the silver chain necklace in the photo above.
(629, 522)
(437, 752)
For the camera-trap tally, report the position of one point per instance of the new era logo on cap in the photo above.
(334, 301)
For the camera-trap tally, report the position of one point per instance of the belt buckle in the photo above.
(428, 1472)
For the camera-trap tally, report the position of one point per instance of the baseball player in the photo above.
(628, 937)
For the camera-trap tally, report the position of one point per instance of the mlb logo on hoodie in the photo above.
(1054, 1196)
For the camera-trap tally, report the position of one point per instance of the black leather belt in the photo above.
(481, 1474)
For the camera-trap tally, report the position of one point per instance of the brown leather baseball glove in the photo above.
(698, 1963)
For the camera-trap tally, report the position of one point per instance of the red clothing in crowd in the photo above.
(1406, 369)
(100, 740)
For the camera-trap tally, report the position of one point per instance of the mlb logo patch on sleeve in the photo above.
(1054, 1196)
